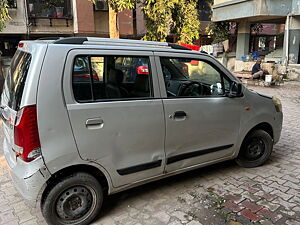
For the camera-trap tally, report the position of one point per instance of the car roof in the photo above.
(107, 43)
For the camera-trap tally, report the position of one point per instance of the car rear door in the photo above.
(124, 133)
(202, 123)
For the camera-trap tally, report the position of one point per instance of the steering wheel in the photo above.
(193, 88)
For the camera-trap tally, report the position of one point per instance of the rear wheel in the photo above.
(76, 199)
(255, 150)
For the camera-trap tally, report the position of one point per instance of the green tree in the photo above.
(116, 6)
(219, 31)
(179, 17)
(186, 23)
(4, 16)
(158, 15)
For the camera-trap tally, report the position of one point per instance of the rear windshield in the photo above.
(15, 80)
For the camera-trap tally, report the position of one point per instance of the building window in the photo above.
(101, 5)
(12, 3)
(49, 9)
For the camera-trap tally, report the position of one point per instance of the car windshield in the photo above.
(15, 80)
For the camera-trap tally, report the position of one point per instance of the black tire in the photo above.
(73, 200)
(256, 149)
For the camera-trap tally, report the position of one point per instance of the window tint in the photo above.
(192, 78)
(113, 77)
(82, 87)
(15, 80)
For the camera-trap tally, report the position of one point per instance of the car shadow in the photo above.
(113, 201)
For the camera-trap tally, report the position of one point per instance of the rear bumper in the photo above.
(30, 187)
(29, 178)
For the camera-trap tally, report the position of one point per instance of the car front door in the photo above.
(117, 124)
(202, 122)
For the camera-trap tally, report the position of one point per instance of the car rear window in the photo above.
(15, 80)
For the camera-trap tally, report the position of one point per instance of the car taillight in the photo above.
(26, 137)
(142, 70)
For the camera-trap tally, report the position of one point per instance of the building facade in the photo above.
(283, 15)
(32, 19)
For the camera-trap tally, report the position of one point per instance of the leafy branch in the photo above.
(179, 17)
(219, 31)
(4, 16)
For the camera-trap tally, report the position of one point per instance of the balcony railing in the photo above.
(49, 9)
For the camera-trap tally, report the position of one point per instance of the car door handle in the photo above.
(94, 123)
(179, 116)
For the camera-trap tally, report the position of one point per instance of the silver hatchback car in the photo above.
(87, 117)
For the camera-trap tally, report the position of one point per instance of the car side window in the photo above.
(82, 88)
(97, 78)
(192, 78)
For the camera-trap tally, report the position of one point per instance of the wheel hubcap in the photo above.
(74, 203)
(255, 149)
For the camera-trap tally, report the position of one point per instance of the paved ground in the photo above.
(219, 194)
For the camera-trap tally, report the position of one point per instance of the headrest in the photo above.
(115, 76)
(142, 83)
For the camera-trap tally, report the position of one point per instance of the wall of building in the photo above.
(126, 22)
(296, 7)
(141, 23)
(101, 23)
(59, 26)
(293, 42)
(273, 7)
(83, 14)
(238, 9)
(217, 2)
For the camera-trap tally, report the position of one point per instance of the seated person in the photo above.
(257, 72)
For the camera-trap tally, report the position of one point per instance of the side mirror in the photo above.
(235, 90)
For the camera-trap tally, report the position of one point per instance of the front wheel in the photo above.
(255, 150)
(74, 200)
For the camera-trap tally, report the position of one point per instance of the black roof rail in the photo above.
(71, 40)
(81, 40)
(177, 46)
(48, 38)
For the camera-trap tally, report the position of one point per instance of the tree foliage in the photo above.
(158, 16)
(4, 16)
(186, 23)
(179, 17)
(219, 31)
(119, 5)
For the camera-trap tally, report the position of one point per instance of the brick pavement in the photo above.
(218, 194)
